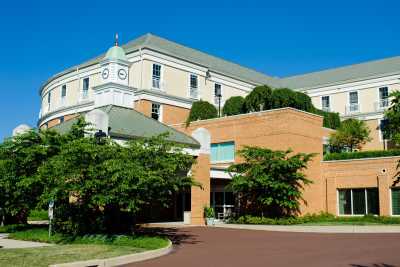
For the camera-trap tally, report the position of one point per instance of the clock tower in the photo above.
(114, 74)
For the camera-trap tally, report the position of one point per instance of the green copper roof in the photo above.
(116, 52)
(127, 123)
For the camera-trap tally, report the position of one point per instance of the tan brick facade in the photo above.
(279, 130)
(361, 173)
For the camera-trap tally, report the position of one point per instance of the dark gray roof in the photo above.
(170, 48)
(127, 123)
(355, 72)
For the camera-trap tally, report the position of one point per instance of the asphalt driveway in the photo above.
(208, 247)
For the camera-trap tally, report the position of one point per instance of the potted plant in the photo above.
(209, 214)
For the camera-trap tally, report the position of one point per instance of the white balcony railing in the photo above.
(156, 83)
(326, 109)
(352, 108)
(382, 104)
(194, 93)
(84, 95)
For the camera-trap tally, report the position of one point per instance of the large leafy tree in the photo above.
(101, 186)
(391, 128)
(268, 182)
(20, 158)
(351, 135)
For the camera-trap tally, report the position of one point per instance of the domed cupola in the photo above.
(114, 74)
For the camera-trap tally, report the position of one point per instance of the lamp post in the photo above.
(219, 96)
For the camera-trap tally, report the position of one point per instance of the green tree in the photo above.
(270, 182)
(391, 129)
(234, 106)
(20, 158)
(201, 110)
(352, 134)
(260, 98)
(100, 187)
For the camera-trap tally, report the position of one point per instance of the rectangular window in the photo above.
(383, 97)
(61, 119)
(359, 201)
(49, 100)
(223, 152)
(396, 201)
(156, 111)
(156, 77)
(85, 88)
(193, 86)
(217, 94)
(353, 101)
(325, 103)
(63, 94)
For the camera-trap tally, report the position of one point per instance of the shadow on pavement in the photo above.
(177, 236)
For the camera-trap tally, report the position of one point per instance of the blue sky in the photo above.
(279, 38)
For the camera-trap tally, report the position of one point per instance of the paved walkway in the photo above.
(11, 243)
(317, 228)
(221, 247)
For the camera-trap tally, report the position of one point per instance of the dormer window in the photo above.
(156, 77)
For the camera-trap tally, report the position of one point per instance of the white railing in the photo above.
(194, 93)
(84, 95)
(382, 104)
(352, 108)
(156, 83)
(326, 109)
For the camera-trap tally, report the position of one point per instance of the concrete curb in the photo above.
(321, 229)
(121, 260)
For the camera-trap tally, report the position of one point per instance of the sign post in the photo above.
(51, 215)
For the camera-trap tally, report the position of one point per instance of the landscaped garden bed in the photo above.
(70, 249)
(320, 219)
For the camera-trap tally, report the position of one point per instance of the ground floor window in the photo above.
(396, 201)
(156, 111)
(223, 203)
(358, 201)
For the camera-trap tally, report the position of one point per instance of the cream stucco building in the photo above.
(162, 79)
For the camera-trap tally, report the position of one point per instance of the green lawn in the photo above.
(67, 249)
(38, 215)
(60, 254)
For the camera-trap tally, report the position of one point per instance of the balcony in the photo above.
(84, 95)
(156, 83)
(326, 109)
(382, 104)
(352, 109)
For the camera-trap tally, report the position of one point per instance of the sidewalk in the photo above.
(317, 228)
(11, 243)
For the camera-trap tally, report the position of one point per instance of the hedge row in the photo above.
(362, 154)
(315, 219)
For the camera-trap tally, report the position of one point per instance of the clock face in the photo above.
(122, 74)
(105, 73)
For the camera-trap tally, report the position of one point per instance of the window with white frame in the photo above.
(49, 100)
(63, 94)
(383, 97)
(156, 111)
(194, 92)
(353, 102)
(326, 105)
(85, 88)
(156, 77)
(217, 93)
(359, 201)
